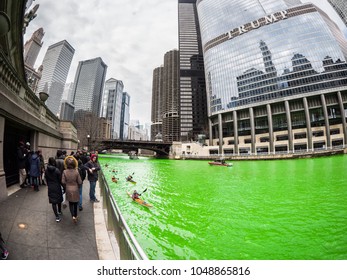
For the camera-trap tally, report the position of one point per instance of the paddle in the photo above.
(143, 191)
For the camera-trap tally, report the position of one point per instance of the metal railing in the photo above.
(129, 248)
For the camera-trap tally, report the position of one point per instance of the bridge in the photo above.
(162, 149)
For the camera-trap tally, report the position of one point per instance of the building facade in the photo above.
(340, 7)
(157, 96)
(193, 104)
(275, 76)
(55, 69)
(88, 85)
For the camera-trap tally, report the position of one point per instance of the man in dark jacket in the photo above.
(82, 171)
(92, 169)
(22, 158)
(35, 170)
(55, 194)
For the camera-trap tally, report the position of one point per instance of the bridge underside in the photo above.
(161, 149)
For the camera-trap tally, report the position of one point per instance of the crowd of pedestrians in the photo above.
(63, 175)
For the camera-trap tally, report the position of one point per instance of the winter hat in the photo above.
(70, 161)
(92, 156)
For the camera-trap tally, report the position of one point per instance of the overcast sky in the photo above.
(131, 37)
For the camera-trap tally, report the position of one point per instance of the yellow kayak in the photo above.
(140, 201)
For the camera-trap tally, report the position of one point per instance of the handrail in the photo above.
(129, 247)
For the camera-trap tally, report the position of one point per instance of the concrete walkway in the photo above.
(42, 238)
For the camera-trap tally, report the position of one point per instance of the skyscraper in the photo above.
(125, 116)
(32, 47)
(56, 65)
(193, 106)
(31, 51)
(157, 103)
(171, 119)
(88, 85)
(340, 7)
(111, 108)
(276, 76)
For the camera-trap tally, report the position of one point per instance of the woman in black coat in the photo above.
(55, 193)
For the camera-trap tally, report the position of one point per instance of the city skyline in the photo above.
(135, 40)
(129, 36)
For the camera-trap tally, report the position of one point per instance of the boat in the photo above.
(219, 162)
(140, 201)
(131, 181)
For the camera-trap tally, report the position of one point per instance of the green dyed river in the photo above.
(254, 210)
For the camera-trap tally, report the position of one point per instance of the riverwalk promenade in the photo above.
(28, 226)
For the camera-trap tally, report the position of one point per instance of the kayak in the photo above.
(131, 181)
(140, 201)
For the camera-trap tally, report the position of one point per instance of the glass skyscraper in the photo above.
(192, 101)
(340, 7)
(55, 69)
(276, 76)
(88, 85)
(112, 105)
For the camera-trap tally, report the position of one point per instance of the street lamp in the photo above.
(88, 139)
(78, 144)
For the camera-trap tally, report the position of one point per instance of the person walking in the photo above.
(92, 170)
(55, 193)
(35, 173)
(59, 158)
(22, 158)
(71, 179)
(42, 168)
(82, 171)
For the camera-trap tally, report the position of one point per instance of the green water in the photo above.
(254, 210)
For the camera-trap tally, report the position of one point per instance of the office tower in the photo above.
(55, 68)
(67, 94)
(157, 98)
(340, 7)
(193, 105)
(67, 111)
(111, 108)
(171, 120)
(32, 47)
(275, 76)
(125, 116)
(88, 85)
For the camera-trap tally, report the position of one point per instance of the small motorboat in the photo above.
(219, 162)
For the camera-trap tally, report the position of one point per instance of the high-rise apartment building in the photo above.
(276, 76)
(88, 85)
(157, 98)
(171, 98)
(340, 7)
(55, 69)
(193, 105)
(111, 108)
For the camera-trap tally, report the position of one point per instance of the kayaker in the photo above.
(135, 195)
(129, 178)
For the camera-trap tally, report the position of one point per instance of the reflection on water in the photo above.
(286, 209)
